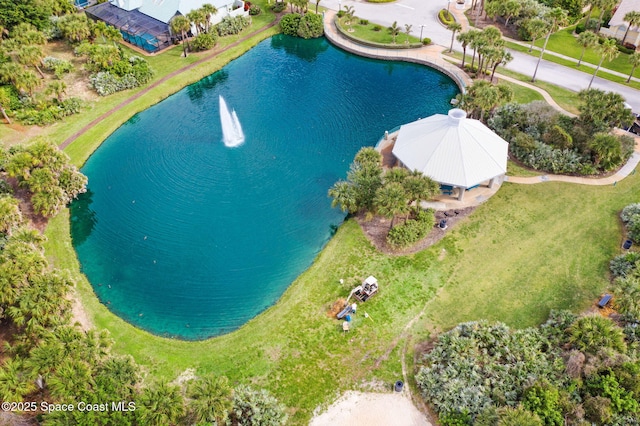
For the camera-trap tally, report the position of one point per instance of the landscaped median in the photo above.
(374, 35)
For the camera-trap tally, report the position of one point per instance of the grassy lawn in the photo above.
(533, 248)
(568, 63)
(515, 169)
(523, 95)
(566, 98)
(565, 42)
(368, 33)
(529, 249)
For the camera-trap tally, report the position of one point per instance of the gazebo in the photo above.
(455, 151)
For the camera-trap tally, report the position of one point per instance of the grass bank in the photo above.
(529, 249)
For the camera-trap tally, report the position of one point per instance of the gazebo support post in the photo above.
(461, 192)
(492, 182)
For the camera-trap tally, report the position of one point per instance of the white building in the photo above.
(455, 151)
(618, 27)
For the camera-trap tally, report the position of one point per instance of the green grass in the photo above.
(566, 98)
(529, 249)
(515, 169)
(523, 95)
(533, 248)
(568, 63)
(565, 43)
(367, 32)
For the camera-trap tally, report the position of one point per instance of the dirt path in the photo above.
(152, 86)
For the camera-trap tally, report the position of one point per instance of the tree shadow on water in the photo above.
(83, 218)
(197, 90)
(307, 50)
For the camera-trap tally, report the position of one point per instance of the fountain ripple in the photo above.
(187, 238)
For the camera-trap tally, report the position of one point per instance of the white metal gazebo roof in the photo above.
(452, 149)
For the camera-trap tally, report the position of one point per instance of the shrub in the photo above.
(633, 228)
(597, 409)
(204, 41)
(290, 23)
(544, 400)
(58, 66)
(280, 6)
(377, 28)
(622, 264)
(232, 26)
(412, 230)
(630, 211)
(426, 41)
(364, 22)
(593, 332)
(445, 17)
(253, 407)
(310, 26)
(106, 83)
(255, 10)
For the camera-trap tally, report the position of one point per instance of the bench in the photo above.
(604, 301)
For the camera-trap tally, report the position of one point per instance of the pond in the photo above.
(186, 237)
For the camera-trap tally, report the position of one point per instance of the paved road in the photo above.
(425, 13)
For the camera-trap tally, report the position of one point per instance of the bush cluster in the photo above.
(630, 216)
(254, 10)
(232, 25)
(279, 6)
(204, 41)
(58, 66)
(570, 370)
(543, 139)
(306, 26)
(43, 113)
(412, 230)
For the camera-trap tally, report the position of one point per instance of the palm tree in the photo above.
(181, 25)
(607, 50)
(394, 30)
(343, 194)
(211, 399)
(349, 11)
(5, 101)
(391, 201)
(197, 18)
(419, 187)
(10, 215)
(26, 82)
(58, 88)
(606, 149)
(464, 39)
(587, 39)
(453, 27)
(407, 31)
(605, 5)
(317, 4)
(634, 60)
(500, 57)
(31, 55)
(633, 18)
(15, 381)
(537, 28)
(593, 332)
(396, 174)
(209, 10)
(557, 17)
(161, 405)
(492, 9)
(510, 9)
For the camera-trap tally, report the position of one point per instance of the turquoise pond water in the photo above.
(185, 237)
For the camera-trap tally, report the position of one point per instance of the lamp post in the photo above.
(448, 6)
(421, 28)
(339, 5)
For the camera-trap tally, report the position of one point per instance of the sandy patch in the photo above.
(371, 409)
(78, 314)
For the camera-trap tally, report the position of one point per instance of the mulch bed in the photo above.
(376, 230)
